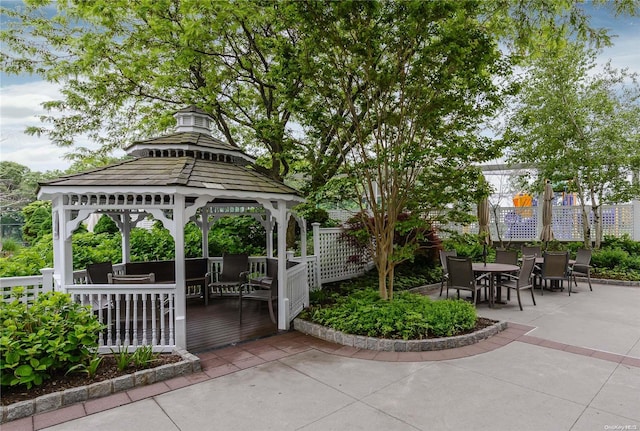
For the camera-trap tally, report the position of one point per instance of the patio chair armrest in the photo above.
(482, 276)
(244, 275)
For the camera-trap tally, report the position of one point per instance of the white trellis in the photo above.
(338, 258)
(525, 223)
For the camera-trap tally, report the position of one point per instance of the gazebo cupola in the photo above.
(192, 138)
(193, 119)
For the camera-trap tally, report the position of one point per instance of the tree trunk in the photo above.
(597, 225)
(586, 228)
(382, 277)
(390, 282)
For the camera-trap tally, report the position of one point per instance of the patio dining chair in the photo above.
(525, 280)
(461, 277)
(235, 268)
(443, 262)
(264, 289)
(509, 257)
(582, 266)
(97, 272)
(555, 268)
(533, 250)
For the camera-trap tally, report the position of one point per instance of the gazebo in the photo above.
(187, 175)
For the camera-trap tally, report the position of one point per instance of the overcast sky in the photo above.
(21, 98)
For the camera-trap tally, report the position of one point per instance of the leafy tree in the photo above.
(135, 62)
(413, 134)
(237, 235)
(37, 220)
(18, 184)
(12, 190)
(580, 127)
(106, 225)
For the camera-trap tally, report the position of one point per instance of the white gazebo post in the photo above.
(269, 229)
(125, 233)
(203, 223)
(63, 257)
(278, 210)
(181, 300)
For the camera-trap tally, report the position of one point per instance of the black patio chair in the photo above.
(524, 281)
(582, 266)
(235, 268)
(443, 261)
(555, 268)
(461, 277)
(263, 289)
(97, 272)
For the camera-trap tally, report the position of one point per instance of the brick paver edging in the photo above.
(387, 345)
(189, 364)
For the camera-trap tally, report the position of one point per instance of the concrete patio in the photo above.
(569, 363)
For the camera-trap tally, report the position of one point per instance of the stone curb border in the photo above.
(189, 364)
(388, 345)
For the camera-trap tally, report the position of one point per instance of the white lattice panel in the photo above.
(339, 260)
(525, 224)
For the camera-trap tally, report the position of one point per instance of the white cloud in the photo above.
(21, 107)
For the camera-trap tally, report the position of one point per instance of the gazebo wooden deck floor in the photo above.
(218, 324)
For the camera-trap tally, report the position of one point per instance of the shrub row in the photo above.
(408, 316)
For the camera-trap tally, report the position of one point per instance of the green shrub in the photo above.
(465, 245)
(616, 274)
(123, 357)
(106, 224)
(623, 242)
(54, 333)
(608, 258)
(447, 318)
(408, 316)
(10, 245)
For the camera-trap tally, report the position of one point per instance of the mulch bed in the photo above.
(59, 381)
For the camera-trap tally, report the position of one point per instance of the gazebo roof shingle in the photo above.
(177, 171)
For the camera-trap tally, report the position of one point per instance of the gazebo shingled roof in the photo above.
(188, 171)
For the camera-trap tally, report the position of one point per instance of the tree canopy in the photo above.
(579, 127)
(126, 66)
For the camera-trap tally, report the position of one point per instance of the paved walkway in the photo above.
(570, 363)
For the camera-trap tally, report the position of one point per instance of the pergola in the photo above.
(187, 175)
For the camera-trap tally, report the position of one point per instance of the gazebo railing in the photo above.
(133, 315)
(296, 288)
